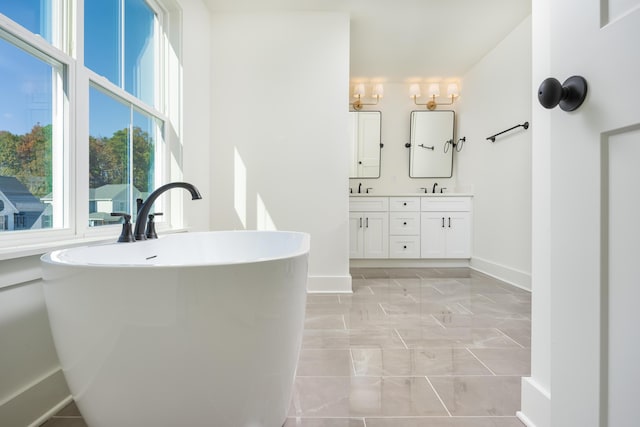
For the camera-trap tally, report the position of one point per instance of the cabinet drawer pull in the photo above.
(404, 204)
(442, 222)
(360, 222)
(367, 222)
(404, 223)
(404, 247)
(449, 222)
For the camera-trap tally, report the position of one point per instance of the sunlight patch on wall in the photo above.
(240, 187)
(263, 218)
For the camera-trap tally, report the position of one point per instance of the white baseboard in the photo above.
(518, 278)
(408, 263)
(37, 402)
(536, 404)
(329, 284)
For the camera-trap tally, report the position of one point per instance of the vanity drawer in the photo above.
(368, 204)
(404, 247)
(450, 204)
(404, 204)
(404, 223)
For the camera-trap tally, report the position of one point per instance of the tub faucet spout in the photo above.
(144, 208)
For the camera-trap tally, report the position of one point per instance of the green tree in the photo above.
(28, 158)
(109, 159)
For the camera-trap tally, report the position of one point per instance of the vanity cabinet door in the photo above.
(368, 235)
(458, 235)
(356, 235)
(446, 235)
(376, 235)
(432, 241)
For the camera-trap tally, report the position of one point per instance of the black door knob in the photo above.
(569, 95)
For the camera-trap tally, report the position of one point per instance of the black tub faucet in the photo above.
(144, 208)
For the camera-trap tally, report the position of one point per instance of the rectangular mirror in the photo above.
(365, 144)
(431, 153)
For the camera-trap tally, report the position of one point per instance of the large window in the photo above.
(122, 151)
(67, 121)
(31, 131)
(121, 44)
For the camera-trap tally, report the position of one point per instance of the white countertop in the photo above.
(411, 195)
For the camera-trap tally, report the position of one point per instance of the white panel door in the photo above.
(594, 211)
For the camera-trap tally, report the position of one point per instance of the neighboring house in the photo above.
(110, 198)
(19, 209)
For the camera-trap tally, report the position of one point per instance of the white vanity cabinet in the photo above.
(446, 227)
(411, 227)
(369, 227)
(404, 227)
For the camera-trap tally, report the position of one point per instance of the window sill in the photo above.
(23, 251)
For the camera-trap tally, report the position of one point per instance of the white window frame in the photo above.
(70, 156)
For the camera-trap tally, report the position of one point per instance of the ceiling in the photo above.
(409, 40)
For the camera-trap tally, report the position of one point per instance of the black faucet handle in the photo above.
(126, 216)
(127, 234)
(425, 189)
(151, 216)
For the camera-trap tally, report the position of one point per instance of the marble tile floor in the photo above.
(409, 348)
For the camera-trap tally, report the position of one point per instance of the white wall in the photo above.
(496, 95)
(279, 157)
(31, 382)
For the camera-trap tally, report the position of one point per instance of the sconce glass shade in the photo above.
(452, 90)
(434, 89)
(358, 90)
(378, 90)
(414, 90)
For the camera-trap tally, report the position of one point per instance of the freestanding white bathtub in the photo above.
(193, 329)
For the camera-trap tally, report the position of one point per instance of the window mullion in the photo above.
(122, 44)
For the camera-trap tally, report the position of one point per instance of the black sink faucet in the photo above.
(359, 188)
(144, 208)
(435, 184)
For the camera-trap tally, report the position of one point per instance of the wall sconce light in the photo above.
(359, 93)
(434, 92)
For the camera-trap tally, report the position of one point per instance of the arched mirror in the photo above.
(365, 144)
(431, 153)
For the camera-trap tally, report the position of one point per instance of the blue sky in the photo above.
(25, 82)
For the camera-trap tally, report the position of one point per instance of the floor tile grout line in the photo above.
(353, 362)
(520, 345)
(438, 322)
(486, 297)
(383, 310)
(400, 336)
(437, 395)
(437, 289)
(465, 309)
(481, 362)
(344, 322)
(364, 422)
